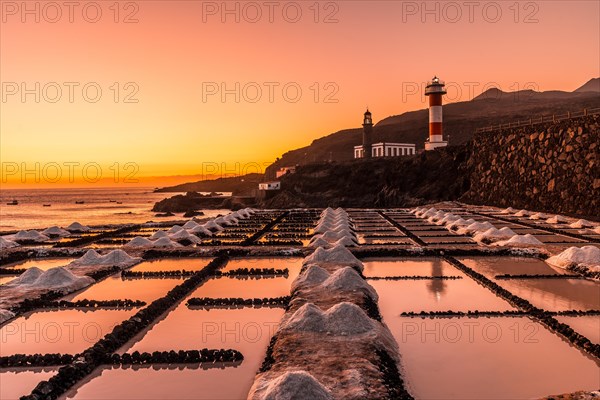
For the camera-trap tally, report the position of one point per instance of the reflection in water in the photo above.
(437, 286)
(556, 294)
(176, 382)
(17, 382)
(487, 358)
(64, 331)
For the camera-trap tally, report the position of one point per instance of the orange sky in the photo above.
(369, 53)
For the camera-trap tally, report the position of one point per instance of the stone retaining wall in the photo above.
(551, 167)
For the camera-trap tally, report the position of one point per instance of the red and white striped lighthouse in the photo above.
(435, 89)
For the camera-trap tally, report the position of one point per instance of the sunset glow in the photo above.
(173, 63)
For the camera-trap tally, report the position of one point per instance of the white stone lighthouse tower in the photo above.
(435, 89)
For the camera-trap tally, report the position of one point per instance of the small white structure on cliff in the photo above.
(273, 185)
(382, 149)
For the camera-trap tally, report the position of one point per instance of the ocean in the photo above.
(101, 206)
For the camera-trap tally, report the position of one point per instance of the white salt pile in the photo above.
(5, 315)
(347, 241)
(117, 258)
(190, 225)
(588, 256)
(334, 228)
(538, 216)
(347, 279)
(174, 229)
(582, 223)
(7, 244)
(522, 213)
(212, 226)
(291, 385)
(200, 229)
(474, 227)
(494, 234)
(454, 225)
(519, 240)
(165, 242)
(57, 279)
(312, 275)
(557, 219)
(29, 236)
(55, 231)
(597, 229)
(448, 219)
(184, 235)
(508, 210)
(338, 255)
(158, 235)
(343, 279)
(139, 242)
(77, 227)
(319, 242)
(341, 319)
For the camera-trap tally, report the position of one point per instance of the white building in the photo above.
(384, 149)
(274, 185)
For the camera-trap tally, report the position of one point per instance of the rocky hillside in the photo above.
(239, 185)
(378, 182)
(460, 122)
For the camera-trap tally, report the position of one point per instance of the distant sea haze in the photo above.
(101, 206)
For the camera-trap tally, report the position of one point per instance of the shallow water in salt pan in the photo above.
(176, 384)
(114, 287)
(556, 294)
(464, 294)
(172, 264)
(426, 266)
(586, 325)
(488, 358)
(492, 266)
(17, 382)
(63, 331)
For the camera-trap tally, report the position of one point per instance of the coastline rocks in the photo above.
(292, 385)
(587, 256)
